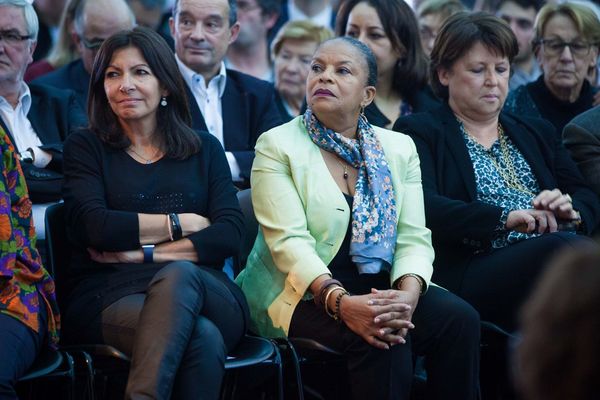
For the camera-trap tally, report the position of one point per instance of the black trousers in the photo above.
(178, 333)
(446, 333)
(498, 283)
(19, 346)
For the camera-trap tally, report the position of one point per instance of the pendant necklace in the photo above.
(345, 167)
(146, 160)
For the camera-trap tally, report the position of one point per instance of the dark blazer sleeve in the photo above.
(249, 109)
(54, 115)
(581, 137)
(452, 212)
(564, 172)
(223, 237)
(90, 220)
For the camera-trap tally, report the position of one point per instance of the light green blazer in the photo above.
(303, 218)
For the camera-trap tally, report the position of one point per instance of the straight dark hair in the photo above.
(173, 122)
(460, 33)
(401, 27)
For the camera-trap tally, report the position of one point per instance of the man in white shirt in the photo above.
(234, 107)
(36, 118)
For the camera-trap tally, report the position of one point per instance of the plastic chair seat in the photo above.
(46, 363)
(250, 351)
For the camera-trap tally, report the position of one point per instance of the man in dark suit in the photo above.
(36, 118)
(92, 25)
(234, 107)
(581, 137)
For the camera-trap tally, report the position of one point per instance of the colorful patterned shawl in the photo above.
(22, 275)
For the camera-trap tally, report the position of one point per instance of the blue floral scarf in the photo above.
(374, 206)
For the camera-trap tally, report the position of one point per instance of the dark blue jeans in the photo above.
(178, 332)
(19, 346)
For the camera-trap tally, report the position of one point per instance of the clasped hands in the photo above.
(548, 207)
(382, 318)
(190, 223)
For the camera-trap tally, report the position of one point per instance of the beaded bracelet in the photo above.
(338, 301)
(417, 277)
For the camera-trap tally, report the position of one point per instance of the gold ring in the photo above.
(569, 199)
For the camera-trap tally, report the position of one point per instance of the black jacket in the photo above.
(462, 226)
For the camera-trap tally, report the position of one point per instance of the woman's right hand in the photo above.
(359, 315)
(192, 223)
(530, 220)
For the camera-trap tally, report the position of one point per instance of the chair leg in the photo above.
(279, 365)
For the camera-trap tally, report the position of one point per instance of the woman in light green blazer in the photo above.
(340, 208)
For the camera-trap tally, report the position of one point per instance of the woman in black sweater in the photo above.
(152, 214)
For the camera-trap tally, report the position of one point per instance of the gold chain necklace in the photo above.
(509, 177)
(146, 160)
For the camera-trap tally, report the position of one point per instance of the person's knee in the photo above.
(463, 321)
(175, 276)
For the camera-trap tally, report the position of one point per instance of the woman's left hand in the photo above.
(392, 323)
(557, 202)
(130, 256)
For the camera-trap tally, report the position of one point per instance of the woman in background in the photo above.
(390, 29)
(292, 50)
(566, 43)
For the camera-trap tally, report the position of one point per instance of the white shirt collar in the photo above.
(24, 99)
(195, 80)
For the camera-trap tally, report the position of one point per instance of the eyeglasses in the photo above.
(555, 47)
(91, 45)
(523, 24)
(13, 38)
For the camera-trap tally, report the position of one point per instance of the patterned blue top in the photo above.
(493, 189)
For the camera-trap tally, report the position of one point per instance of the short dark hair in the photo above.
(269, 7)
(175, 136)
(401, 27)
(460, 33)
(232, 10)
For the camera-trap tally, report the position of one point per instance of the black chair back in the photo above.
(251, 225)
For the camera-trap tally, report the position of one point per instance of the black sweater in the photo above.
(105, 189)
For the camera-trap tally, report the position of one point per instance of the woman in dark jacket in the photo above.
(501, 193)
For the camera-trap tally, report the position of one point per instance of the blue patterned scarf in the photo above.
(374, 207)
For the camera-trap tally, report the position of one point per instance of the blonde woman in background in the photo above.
(291, 51)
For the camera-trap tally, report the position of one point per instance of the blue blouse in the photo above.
(493, 189)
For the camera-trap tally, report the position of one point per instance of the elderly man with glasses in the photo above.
(95, 20)
(36, 118)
